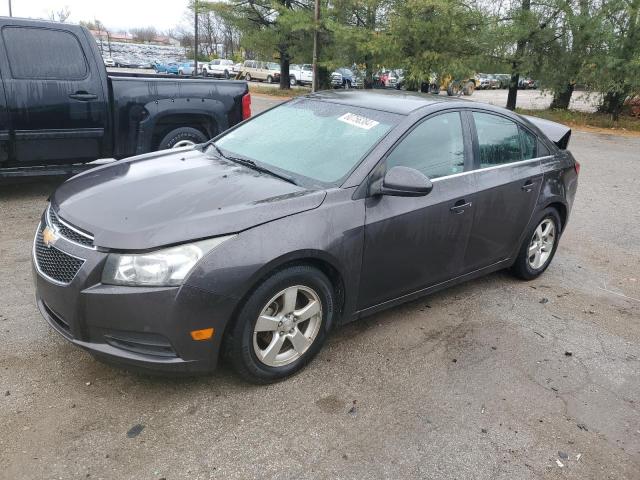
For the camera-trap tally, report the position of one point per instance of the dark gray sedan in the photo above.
(315, 213)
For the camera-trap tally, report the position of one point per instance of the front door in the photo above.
(509, 178)
(414, 242)
(54, 94)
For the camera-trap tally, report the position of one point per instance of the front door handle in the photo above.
(528, 186)
(460, 206)
(83, 96)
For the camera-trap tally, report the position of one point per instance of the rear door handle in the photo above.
(528, 186)
(460, 206)
(83, 96)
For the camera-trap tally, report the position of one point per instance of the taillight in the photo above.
(577, 167)
(246, 106)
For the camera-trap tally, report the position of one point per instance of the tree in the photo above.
(432, 37)
(144, 35)
(270, 28)
(60, 15)
(615, 70)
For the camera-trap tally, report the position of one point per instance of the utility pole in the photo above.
(10, 14)
(316, 32)
(195, 38)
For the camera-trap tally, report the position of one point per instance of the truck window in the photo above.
(43, 53)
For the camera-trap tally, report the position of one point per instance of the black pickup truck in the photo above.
(59, 107)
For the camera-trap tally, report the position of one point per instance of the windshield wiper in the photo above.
(249, 163)
(260, 168)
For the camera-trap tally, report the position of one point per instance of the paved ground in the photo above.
(474, 382)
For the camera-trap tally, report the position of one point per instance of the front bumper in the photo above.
(138, 327)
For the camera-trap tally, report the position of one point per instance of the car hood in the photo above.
(171, 197)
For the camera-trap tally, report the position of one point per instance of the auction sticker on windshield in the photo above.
(358, 121)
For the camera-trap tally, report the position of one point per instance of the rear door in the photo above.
(56, 101)
(415, 242)
(509, 177)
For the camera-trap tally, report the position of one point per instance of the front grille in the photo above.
(54, 263)
(66, 231)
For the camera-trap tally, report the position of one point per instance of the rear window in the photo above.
(43, 53)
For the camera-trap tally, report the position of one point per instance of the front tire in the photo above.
(282, 325)
(539, 246)
(269, 79)
(292, 81)
(247, 77)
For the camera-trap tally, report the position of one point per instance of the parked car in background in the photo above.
(189, 68)
(344, 78)
(169, 67)
(219, 68)
(504, 79)
(126, 63)
(257, 70)
(109, 62)
(526, 83)
(301, 74)
(82, 113)
(256, 246)
(487, 82)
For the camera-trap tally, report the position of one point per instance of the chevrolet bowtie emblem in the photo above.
(49, 237)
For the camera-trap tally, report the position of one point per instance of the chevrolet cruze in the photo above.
(315, 213)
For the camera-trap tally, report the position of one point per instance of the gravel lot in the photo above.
(474, 382)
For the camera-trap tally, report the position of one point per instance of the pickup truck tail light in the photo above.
(577, 167)
(246, 106)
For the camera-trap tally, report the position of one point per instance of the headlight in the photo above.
(166, 267)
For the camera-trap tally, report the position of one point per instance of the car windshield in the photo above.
(309, 139)
(273, 66)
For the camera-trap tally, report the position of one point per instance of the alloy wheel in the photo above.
(287, 326)
(542, 243)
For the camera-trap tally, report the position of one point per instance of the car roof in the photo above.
(392, 101)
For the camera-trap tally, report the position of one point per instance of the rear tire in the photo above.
(226, 74)
(469, 88)
(525, 266)
(244, 344)
(247, 77)
(292, 81)
(182, 136)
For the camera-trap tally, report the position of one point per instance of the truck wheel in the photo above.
(469, 88)
(182, 137)
(292, 81)
(205, 73)
(247, 77)
(226, 74)
(269, 79)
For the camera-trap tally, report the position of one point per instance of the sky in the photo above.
(114, 14)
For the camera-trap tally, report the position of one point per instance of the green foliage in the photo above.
(559, 42)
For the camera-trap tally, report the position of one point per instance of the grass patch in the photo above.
(276, 92)
(573, 118)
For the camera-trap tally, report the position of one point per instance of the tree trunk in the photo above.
(612, 103)
(513, 89)
(562, 98)
(284, 70)
(515, 65)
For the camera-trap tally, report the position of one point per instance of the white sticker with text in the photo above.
(358, 121)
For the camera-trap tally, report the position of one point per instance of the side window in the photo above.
(498, 140)
(42, 53)
(435, 147)
(529, 145)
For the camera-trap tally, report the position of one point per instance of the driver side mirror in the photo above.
(403, 182)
